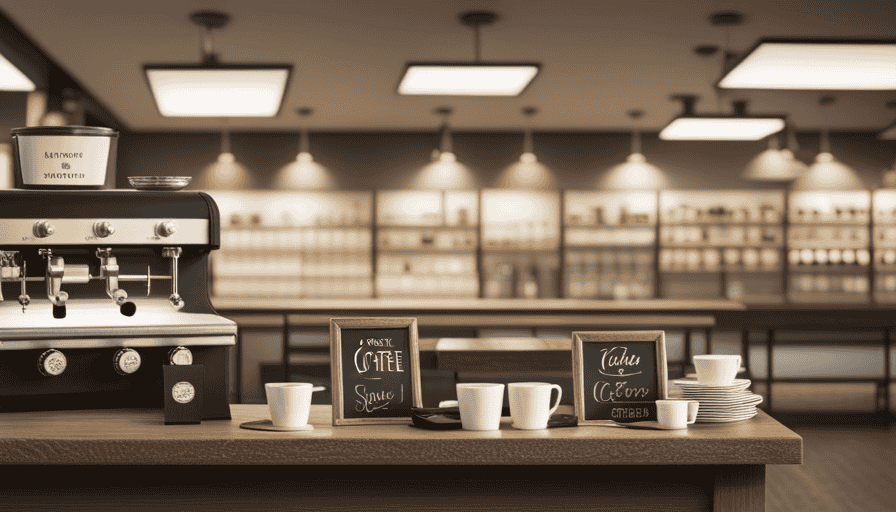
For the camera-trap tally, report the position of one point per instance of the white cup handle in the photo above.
(693, 406)
(738, 366)
(559, 395)
(318, 388)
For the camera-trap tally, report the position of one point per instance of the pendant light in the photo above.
(889, 133)
(827, 173)
(528, 172)
(475, 78)
(635, 173)
(444, 171)
(776, 164)
(214, 89)
(736, 126)
(225, 173)
(304, 173)
(815, 64)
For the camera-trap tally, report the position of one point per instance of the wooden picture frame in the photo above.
(373, 389)
(604, 364)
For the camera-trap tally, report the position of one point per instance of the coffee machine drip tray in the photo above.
(100, 319)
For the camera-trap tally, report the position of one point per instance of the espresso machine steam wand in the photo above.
(54, 275)
(173, 253)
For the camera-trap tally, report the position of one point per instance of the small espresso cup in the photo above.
(480, 405)
(290, 402)
(716, 369)
(530, 404)
(676, 413)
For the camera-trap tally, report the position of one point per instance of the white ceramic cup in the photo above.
(480, 405)
(676, 413)
(530, 404)
(716, 369)
(290, 402)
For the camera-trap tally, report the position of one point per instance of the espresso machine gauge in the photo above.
(179, 356)
(126, 361)
(51, 363)
(103, 229)
(43, 229)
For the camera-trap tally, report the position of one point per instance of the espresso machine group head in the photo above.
(126, 275)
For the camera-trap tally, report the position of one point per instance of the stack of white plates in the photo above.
(721, 404)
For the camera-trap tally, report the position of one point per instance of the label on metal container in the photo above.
(63, 160)
(183, 392)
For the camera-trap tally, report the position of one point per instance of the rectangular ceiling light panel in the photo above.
(721, 128)
(816, 65)
(209, 92)
(475, 79)
(12, 79)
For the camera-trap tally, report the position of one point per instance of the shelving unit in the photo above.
(722, 243)
(829, 247)
(427, 243)
(609, 242)
(294, 245)
(520, 243)
(883, 243)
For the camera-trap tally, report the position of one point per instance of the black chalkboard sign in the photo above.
(616, 366)
(375, 368)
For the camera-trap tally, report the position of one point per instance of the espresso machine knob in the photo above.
(51, 363)
(43, 229)
(103, 229)
(166, 228)
(126, 361)
(180, 356)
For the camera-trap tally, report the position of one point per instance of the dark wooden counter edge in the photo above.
(256, 305)
(221, 444)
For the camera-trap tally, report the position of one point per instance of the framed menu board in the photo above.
(616, 366)
(375, 367)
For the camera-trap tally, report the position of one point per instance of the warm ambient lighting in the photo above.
(12, 79)
(819, 64)
(474, 79)
(721, 128)
(528, 172)
(217, 91)
(214, 89)
(827, 173)
(776, 164)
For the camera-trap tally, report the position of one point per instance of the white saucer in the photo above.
(269, 426)
(653, 425)
(685, 384)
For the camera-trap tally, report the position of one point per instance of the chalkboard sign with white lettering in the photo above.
(616, 366)
(375, 367)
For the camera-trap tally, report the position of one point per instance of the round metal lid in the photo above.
(90, 131)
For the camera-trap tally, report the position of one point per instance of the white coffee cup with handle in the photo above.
(530, 404)
(480, 405)
(290, 402)
(716, 369)
(676, 414)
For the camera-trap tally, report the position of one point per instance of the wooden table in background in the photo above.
(380, 467)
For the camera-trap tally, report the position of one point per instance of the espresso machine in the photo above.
(99, 289)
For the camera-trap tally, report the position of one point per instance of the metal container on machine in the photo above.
(64, 157)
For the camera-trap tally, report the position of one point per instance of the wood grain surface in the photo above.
(133, 436)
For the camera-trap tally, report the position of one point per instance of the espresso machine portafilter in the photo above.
(99, 290)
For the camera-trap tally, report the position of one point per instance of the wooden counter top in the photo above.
(252, 304)
(132, 436)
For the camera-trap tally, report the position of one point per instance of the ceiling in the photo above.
(599, 59)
